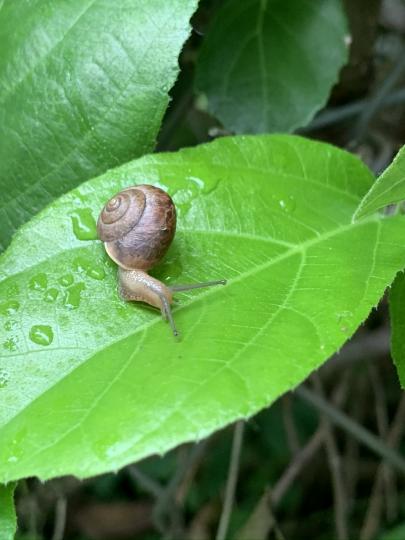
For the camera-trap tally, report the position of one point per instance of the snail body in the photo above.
(137, 226)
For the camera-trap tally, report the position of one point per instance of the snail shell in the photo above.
(137, 226)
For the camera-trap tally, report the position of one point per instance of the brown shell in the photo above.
(137, 226)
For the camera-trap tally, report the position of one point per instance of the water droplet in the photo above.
(4, 378)
(12, 459)
(51, 295)
(41, 334)
(288, 204)
(183, 199)
(84, 224)
(10, 325)
(96, 272)
(9, 308)
(344, 321)
(66, 280)
(38, 282)
(72, 296)
(206, 186)
(198, 182)
(10, 344)
(81, 264)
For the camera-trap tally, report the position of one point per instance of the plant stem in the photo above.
(60, 519)
(359, 432)
(379, 96)
(231, 481)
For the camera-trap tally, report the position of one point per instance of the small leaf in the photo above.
(269, 65)
(83, 87)
(397, 315)
(91, 383)
(8, 521)
(388, 189)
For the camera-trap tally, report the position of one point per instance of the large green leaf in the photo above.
(389, 188)
(90, 383)
(269, 65)
(8, 522)
(397, 315)
(83, 87)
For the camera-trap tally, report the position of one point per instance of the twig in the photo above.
(60, 519)
(296, 466)
(383, 429)
(146, 482)
(231, 481)
(339, 495)
(334, 115)
(358, 409)
(373, 514)
(379, 96)
(262, 520)
(363, 435)
(289, 425)
(166, 504)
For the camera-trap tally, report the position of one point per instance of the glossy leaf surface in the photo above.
(91, 383)
(8, 521)
(83, 87)
(389, 188)
(269, 65)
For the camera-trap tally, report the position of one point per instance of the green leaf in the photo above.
(388, 189)
(397, 315)
(269, 65)
(83, 88)
(8, 521)
(91, 383)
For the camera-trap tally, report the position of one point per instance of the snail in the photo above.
(137, 226)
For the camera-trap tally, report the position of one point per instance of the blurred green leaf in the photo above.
(91, 383)
(8, 521)
(269, 65)
(389, 188)
(396, 533)
(397, 315)
(83, 87)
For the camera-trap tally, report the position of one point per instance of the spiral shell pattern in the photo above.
(121, 214)
(138, 226)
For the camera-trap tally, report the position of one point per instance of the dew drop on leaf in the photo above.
(84, 224)
(4, 378)
(72, 296)
(288, 204)
(10, 344)
(39, 282)
(81, 264)
(345, 321)
(41, 334)
(66, 280)
(10, 324)
(96, 272)
(51, 295)
(9, 308)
